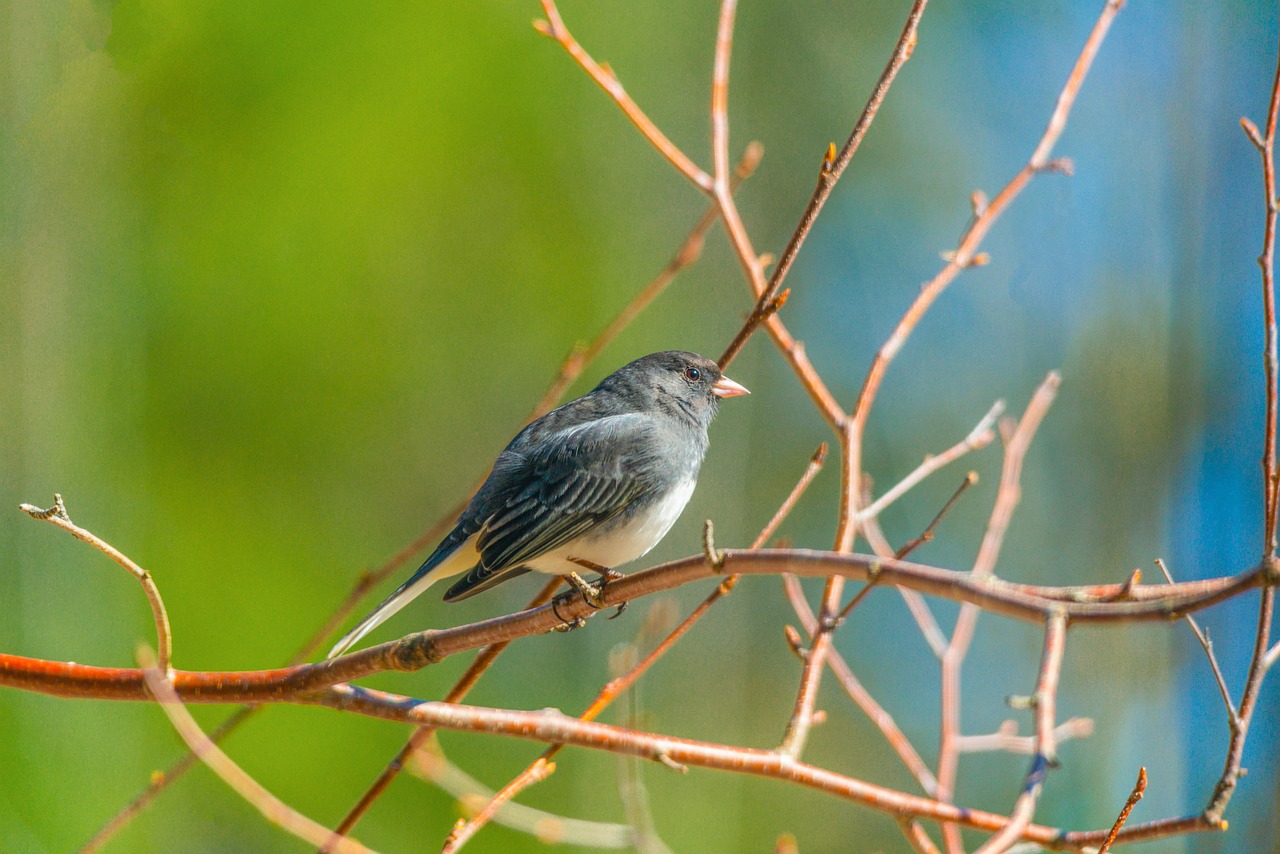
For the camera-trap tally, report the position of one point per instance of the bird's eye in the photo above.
(693, 374)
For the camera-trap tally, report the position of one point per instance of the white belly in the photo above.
(622, 544)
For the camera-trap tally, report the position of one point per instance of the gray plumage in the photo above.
(600, 479)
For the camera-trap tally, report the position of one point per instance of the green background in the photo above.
(277, 281)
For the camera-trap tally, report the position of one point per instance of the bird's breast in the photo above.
(634, 533)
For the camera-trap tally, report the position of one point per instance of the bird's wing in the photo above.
(573, 481)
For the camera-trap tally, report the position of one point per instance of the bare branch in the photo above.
(1044, 703)
(1136, 795)
(272, 808)
(554, 28)
(57, 516)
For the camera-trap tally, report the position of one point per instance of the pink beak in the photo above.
(725, 387)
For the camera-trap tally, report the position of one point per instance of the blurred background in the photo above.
(278, 281)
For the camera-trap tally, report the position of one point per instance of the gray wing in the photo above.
(569, 483)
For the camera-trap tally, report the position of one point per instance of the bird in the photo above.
(593, 484)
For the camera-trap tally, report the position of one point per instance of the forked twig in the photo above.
(57, 516)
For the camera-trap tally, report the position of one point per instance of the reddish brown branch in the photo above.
(415, 651)
(554, 28)
(1139, 788)
(1007, 498)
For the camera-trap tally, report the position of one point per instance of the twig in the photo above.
(860, 695)
(435, 768)
(829, 173)
(554, 28)
(1136, 795)
(1266, 261)
(1233, 718)
(1044, 704)
(57, 516)
(927, 534)
(979, 437)
(272, 808)
(1007, 739)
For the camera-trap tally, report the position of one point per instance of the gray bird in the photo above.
(594, 484)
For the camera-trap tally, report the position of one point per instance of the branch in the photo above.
(1007, 498)
(554, 28)
(57, 516)
(979, 437)
(1233, 717)
(420, 649)
(272, 808)
(546, 827)
(1136, 795)
(1044, 703)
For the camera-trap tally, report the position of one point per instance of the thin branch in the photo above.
(1233, 717)
(927, 534)
(435, 768)
(272, 808)
(554, 28)
(979, 437)
(1044, 703)
(1007, 740)
(57, 516)
(1266, 261)
(830, 171)
(860, 695)
(1136, 795)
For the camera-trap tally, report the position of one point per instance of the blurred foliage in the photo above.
(278, 280)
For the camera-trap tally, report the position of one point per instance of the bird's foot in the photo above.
(607, 575)
(590, 593)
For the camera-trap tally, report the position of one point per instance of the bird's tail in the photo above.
(449, 559)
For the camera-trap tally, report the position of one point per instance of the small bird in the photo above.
(592, 485)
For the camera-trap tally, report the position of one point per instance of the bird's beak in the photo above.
(725, 387)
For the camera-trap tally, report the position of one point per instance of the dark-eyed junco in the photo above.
(593, 484)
